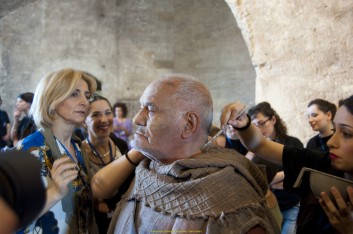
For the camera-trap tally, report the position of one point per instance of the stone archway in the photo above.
(301, 50)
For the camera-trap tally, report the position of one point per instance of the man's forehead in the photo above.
(149, 94)
(157, 90)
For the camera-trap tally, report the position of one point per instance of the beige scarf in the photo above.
(218, 186)
(215, 182)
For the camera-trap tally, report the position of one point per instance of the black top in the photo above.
(311, 217)
(26, 127)
(319, 143)
(286, 199)
(120, 143)
(4, 120)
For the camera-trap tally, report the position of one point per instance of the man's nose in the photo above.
(140, 118)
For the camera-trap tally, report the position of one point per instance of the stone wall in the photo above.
(125, 44)
(301, 50)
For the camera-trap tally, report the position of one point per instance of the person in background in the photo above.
(122, 125)
(5, 128)
(320, 116)
(323, 215)
(178, 187)
(101, 150)
(60, 105)
(273, 128)
(25, 126)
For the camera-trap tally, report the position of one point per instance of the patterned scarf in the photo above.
(215, 182)
(219, 190)
(79, 199)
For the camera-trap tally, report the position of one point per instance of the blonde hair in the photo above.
(53, 89)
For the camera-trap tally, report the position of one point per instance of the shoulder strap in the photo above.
(51, 142)
(53, 146)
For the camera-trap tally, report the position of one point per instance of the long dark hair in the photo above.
(348, 103)
(266, 109)
(324, 106)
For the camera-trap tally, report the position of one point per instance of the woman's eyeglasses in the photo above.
(261, 124)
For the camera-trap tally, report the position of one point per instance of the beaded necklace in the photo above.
(98, 156)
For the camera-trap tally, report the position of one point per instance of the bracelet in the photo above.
(128, 159)
(246, 126)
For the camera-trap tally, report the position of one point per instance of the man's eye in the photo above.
(151, 109)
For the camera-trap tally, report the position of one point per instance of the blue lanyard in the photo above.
(77, 152)
(323, 145)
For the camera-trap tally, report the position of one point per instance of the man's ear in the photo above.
(191, 125)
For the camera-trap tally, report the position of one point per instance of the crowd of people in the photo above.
(169, 179)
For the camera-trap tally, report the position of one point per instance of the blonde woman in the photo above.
(59, 106)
